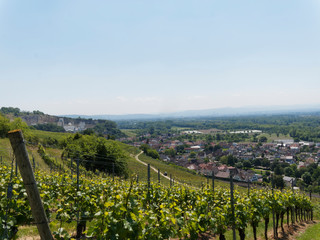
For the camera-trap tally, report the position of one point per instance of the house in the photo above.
(289, 159)
(82, 126)
(60, 122)
(289, 180)
(309, 161)
(252, 176)
(223, 168)
(240, 176)
(192, 167)
(301, 164)
(193, 149)
(222, 175)
(69, 127)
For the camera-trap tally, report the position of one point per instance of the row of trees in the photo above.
(299, 126)
(150, 151)
(17, 112)
(17, 123)
(96, 153)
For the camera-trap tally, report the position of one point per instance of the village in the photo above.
(252, 160)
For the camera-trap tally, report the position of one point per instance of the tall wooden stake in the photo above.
(112, 171)
(232, 207)
(273, 213)
(37, 209)
(212, 181)
(148, 176)
(148, 182)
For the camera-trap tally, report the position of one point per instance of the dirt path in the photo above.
(154, 169)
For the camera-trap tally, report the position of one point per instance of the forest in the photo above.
(305, 127)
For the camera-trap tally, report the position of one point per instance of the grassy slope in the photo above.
(5, 149)
(129, 132)
(135, 168)
(311, 233)
(44, 134)
(180, 174)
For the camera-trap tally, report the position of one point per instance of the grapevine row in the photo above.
(106, 209)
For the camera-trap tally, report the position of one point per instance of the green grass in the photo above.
(312, 232)
(274, 136)
(180, 128)
(45, 135)
(180, 174)
(138, 169)
(40, 164)
(129, 132)
(5, 149)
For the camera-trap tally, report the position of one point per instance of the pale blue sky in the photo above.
(134, 56)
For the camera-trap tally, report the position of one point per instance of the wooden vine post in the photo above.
(37, 209)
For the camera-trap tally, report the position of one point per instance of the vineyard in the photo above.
(107, 208)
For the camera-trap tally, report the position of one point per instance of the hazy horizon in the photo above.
(145, 57)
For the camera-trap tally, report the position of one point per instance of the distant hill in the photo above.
(46, 122)
(217, 112)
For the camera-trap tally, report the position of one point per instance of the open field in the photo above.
(54, 135)
(129, 132)
(272, 137)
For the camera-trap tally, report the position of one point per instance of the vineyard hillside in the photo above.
(178, 174)
(103, 205)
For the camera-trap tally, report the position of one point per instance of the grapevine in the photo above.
(129, 210)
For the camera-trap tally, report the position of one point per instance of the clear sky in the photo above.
(136, 56)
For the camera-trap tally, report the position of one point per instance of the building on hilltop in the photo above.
(61, 122)
(69, 127)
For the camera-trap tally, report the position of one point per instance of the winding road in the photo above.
(154, 169)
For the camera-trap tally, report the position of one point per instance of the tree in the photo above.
(231, 160)
(265, 163)
(17, 123)
(288, 172)
(192, 155)
(37, 112)
(257, 162)
(278, 181)
(263, 139)
(247, 164)
(316, 174)
(170, 152)
(149, 151)
(278, 170)
(306, 177)
(153, 153)
(300, 172)
(4, 126)
(108, 128)
(218, 137)
(50, 127)
(239, 165)
(180, 149)
(98, 153)
(88, 131)
(10, 110)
